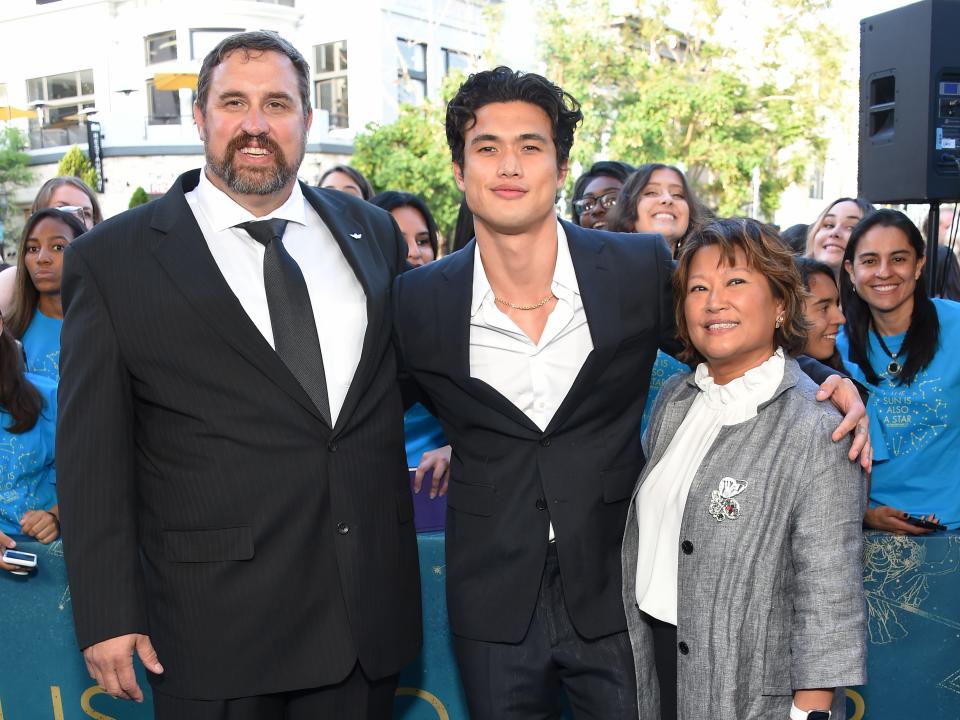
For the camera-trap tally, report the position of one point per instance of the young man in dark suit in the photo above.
(230, 453)
(534, 345)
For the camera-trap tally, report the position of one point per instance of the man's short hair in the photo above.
(504, 85)
(254, 43)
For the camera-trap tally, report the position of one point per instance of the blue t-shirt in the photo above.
(41, 345)
(27, 474)
(919, 424)
(421, 432)
(664, 368)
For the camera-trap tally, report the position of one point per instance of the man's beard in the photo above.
(253, 180)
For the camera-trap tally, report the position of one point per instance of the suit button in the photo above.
(343, 528)
(545, 442)
(687, 547)
(683, 648)
(541, 504)
(332, 446)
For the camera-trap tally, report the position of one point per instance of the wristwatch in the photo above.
(798, 714)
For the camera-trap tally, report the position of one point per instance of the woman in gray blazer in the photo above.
(741, 556)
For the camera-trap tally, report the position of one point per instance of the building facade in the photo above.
(130, 66)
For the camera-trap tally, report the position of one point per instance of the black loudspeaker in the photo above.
(910, 104)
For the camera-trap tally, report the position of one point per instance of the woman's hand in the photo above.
(439, 461)
(5, 544)
(40, 524)
(893, 520)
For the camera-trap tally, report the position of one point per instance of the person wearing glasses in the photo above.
(595, 192)
(657, 199)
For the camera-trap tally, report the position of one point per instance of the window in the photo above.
(330, 81)
(60, 98)
(203, 40)
(411, 71)
(815, 187)
(163, 106)
(457, 61)
(161, 47)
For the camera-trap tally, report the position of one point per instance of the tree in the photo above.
(14, 172)
(77, 164)
(410, 154)
(139, 197)
(716, 108)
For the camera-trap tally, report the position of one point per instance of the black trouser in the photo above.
(665, 660)
(355, 698)
(523, 681)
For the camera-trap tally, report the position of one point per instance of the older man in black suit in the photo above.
(235, 504)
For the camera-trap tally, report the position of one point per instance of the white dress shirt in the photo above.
(336, 295)
(535, 377)
(663, 496)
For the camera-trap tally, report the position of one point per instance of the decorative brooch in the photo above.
(722, 504)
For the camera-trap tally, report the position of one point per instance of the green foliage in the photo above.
(715, 102)
(411, 155)
(14, 172)
(77, 164)
(139, 197)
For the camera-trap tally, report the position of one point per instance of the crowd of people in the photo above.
(235, 447)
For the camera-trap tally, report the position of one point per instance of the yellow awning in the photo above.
(8, 112)
(175, 81)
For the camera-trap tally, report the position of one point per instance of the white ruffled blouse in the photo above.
(663, 495)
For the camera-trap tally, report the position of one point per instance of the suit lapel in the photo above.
(453, 301)
(353, 237)
(600, 294)
(182, 251)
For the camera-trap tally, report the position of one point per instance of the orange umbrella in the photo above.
(8, 113)
(175, 81)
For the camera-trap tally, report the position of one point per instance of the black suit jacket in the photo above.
(509, 479)
(204, 499)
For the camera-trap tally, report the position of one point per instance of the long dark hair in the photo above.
(923, 335)
(17, 395)
(623, 218)
(392, 199)
(25, 295)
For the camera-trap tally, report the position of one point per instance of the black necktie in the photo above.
(291, 314)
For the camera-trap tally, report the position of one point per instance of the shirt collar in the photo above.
(564, 284)
(223, 212)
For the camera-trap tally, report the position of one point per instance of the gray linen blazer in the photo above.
(771, 601)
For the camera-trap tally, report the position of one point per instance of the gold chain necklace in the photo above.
(511, 305)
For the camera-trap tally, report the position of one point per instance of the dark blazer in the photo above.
(204, 499)
(509, 479)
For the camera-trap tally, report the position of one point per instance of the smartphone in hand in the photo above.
(925, 524)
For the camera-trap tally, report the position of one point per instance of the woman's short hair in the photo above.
(42, 199)
(605, 168)
(766, 254)
(25, 294)
(923, 335)
(392, 199)
(865, 206)
(623, 217)
(366, 189)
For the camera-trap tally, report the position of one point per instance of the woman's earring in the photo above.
(779, 321)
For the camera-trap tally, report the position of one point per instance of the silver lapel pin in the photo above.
(722, 504)
(356, 236)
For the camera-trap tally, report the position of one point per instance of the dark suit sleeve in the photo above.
(95, 465)
(668, 341)
(816, 370)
